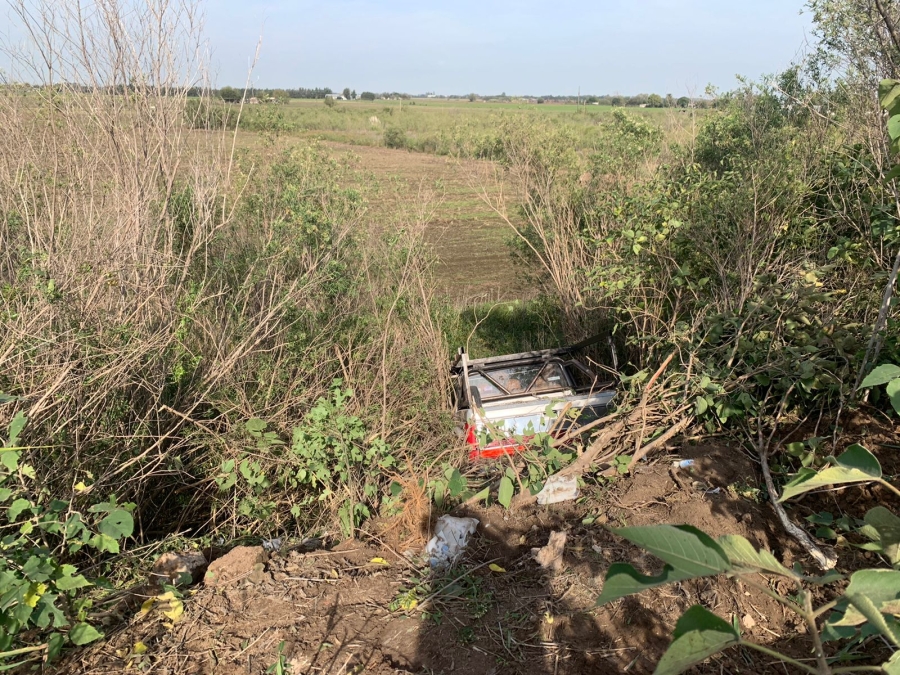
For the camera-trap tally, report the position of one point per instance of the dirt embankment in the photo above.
(364, 607)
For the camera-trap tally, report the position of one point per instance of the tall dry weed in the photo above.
(159, 289)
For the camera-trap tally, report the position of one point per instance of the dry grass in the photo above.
(159, 288)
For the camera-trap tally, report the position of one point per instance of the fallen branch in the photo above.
(673, 431)
(826, 561)
(593, 455)
(589, 457)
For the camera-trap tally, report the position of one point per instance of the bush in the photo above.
(210, 114)
(394, 137)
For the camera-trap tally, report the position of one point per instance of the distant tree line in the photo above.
(236, 94)
(614, 100)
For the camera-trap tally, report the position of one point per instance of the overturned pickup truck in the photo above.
(501, 401)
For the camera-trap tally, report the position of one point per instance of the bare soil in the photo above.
(344, 610)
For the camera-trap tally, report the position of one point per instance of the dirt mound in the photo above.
(361, 607)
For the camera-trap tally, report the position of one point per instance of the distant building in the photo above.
(254, 101)
(336, 97)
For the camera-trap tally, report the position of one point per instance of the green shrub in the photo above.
(43, 599)
(395, 137)
(210, 114)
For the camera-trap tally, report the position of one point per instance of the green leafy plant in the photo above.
(281, 665)
(331, 459)
(43, 602)
(395, 137)
(888, 375)
(867, 605)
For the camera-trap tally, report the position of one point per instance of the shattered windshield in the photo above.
(534, 378)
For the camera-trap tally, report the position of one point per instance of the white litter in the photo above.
(558, 489)
(450, 538)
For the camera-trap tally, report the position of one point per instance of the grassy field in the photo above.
(441, 126)
(445, 147)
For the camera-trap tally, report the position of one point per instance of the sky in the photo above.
(513, 46)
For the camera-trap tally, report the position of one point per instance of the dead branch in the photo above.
(593, 456)
(826, 561)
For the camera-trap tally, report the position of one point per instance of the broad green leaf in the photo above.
(701, 405)
(890, 97)
(505, 492)
(893, 392)
(876, 619)
(892, 666)
(16, 509)
(70, 583)
(47, 613)
(855, 465)
(698, 635)
(892, 174)
(83, 633)
(832, 633)
(10, 459)
(893, 127)
(885, 88)
(103, 542)
(118, 524)
(832, 476)
(857, 457)
(15, 428)
(481, 496)
(456, 484)
(623, 580)
(742, 554)
(255, 425)
(55, 645)
(685, 548)
(887, 528)
(821, 518)
(880, 587)
(881, 375)
(548, 410)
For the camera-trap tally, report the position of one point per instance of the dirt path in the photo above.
(469, 238)
(344, 610)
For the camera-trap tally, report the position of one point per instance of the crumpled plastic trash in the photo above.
(450, 538)
(558, 489)
(272, 545)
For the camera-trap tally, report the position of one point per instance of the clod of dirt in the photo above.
(550, 557)
(175, 568)
(243, 562)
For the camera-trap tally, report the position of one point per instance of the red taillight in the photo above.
(471, 439)
(492, 450)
